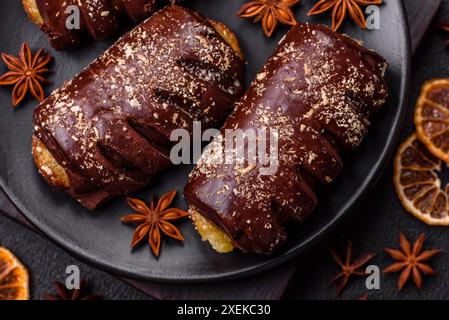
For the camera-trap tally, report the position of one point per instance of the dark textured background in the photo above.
(373, 226)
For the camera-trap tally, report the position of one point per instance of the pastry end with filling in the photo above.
(219, 240)
(47, 165)
(33, 12)
(228, 36)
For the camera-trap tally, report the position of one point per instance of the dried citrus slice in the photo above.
(417, 183)
(13, 277)
(432, 117)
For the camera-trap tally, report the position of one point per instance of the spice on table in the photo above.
(62, 293)
(13, 277)
(411, 261)
(271, 12)
(153, 220)
(340, 9)
(348, 268)
(25, 73)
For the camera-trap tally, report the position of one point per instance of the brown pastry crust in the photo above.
(53, 158)
(48, 166)
(32, 10)
(228, 36)
(318, 90)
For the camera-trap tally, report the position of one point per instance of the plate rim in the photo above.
(372, 177)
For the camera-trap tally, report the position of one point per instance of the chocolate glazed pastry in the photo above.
(98, 18)
(106, 132)
(318, 90)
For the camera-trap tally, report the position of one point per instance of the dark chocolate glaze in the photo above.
(110, 126)
(99, 18)
(318, 90)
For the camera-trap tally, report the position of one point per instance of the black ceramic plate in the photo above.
(101, 238)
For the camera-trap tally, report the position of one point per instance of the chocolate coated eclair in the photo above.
(106, 132)
(318, 91)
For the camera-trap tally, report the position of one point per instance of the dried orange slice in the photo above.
(432, 117)
(417, 183)
(13, 277)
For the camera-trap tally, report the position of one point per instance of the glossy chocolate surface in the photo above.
(98, 18)
(110, 126)
(318, 90)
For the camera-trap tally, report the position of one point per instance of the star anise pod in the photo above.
(62, 293)
(270, 12)
(25, 73)
(348, 268)
(151, 221)
(411, 261)
(340, 8)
